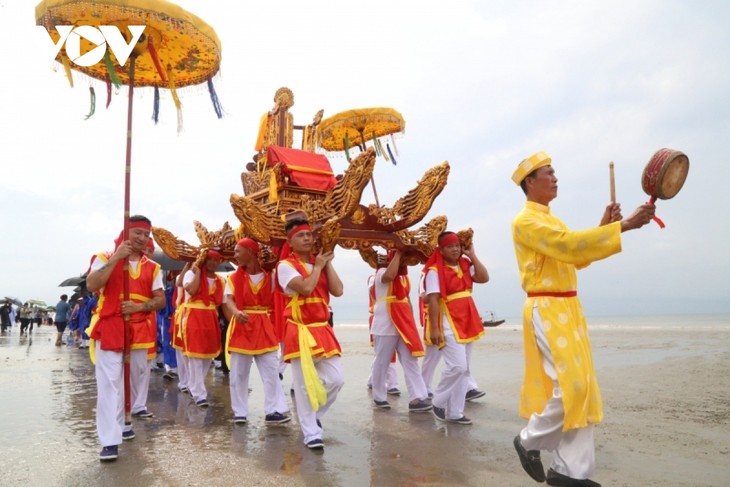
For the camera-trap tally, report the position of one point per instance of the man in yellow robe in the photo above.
(560, 394)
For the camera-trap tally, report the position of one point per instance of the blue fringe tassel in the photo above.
(156, 106)
(214, 99)
(387, 146)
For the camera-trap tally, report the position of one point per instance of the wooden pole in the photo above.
(125, 233)
(612, 182)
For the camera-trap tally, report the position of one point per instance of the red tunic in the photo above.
(311, 311)
(201, 331)
(257, 335)
(107, 323)
(458, 304)
(401, 314)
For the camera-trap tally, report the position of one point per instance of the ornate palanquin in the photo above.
(337, 217)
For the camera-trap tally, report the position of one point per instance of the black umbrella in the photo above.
(12, 300)
(74, 281)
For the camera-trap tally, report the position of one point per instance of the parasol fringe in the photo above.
(395, 147)
(156, 106)
(92, 107)
(347, 147)
(382, 151)
(108, 91)
(391, 154)
(67, 69)
(175, 98)
(155, 60)
(376, 146)
(214, 98)
(110, 70)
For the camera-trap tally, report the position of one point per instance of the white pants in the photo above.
(240, 372)
(573, 450)
(330, 374)
(139, 379)
(109, 372)
(391, 377)
(183, 377)
(197, 370)
(385, 345)
(431, 361)
(451, 390)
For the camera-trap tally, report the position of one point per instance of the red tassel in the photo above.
(156, 59)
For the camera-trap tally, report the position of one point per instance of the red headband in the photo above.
(448, 239)
(214, 254)
(297, 229)
(140, 224)
(249, 244)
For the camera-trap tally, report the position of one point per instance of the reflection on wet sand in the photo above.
(52, 437)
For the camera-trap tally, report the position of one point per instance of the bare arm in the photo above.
(336, 287)
(433, 317)
(305, 285)
(481, 275)
(98, 278)
(156, 302)
(640, 217)
(392, 270)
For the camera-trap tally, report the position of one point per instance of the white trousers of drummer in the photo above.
(197, 370)
(109, 371)
(238, 377)
(385, 345)
(391, 378)
(330, 374)
(573, 450)
(183, 378)
(139, 379)
(451, 390)
(430, 363)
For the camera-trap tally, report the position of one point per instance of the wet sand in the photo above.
(666, 400)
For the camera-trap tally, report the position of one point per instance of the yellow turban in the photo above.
(528, 165)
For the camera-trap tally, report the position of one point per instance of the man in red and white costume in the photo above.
(454, 322)
(394, 329)
(310, 344)
(107, 329)
(176, 335)
(251, 336)
(200, 328)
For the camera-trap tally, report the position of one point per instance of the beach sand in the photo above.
(666, 400)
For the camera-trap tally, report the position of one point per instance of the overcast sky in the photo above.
(482, 84)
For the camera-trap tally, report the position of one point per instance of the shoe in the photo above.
(202, 403)
(461, 420)
(382, 404)
(472, 394)
(530, 461)
(319, 423)
(169, 376)
(430, 395)
(419, 406)
(555, 478)
(440, 413)
(240, 420)
(394, 391)
(128, 435)
(142, 414)
(276, 418)
(184, 390)
(109, 453)
(316, 444)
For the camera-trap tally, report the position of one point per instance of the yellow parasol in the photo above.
(174, 48)
(355, 127)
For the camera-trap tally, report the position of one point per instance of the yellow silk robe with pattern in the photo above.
(548, 254)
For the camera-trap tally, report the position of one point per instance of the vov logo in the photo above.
(104, 37)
